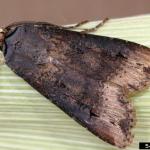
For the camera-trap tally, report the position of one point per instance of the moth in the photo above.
(89, 77)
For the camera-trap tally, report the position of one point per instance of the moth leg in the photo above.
(96, 27)
(77, 25)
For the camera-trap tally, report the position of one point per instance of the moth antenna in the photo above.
(76, 26)
(96, 27)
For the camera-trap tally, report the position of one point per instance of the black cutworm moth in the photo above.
(89, 77)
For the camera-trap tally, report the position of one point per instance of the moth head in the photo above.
(2, 37)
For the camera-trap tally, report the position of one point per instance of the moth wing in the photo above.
(84, 75)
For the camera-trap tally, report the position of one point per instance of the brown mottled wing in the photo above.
(88, 76)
